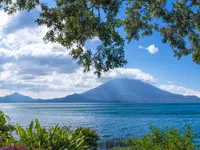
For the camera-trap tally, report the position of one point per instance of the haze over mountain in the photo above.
(16, 97)
(119, 90)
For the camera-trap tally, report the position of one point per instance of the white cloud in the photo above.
(21, 20)
(152, 48)
(179, 89)
(41, 69)
(26, 49)
(4, 19)
(96, 39)
(141, 47)
(170, 82)
(64, 83)
(131, 73)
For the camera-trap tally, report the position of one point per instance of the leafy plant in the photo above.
(6, 130)
(55, 138)
(91, 137)
(33, 136)
(170, 139)
(63, 138)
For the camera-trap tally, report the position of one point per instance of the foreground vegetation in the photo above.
(36, 137)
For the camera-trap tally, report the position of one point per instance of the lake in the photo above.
(111, 120)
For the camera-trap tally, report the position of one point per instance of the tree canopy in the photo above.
(74, 22)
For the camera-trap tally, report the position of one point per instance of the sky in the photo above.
(41, 69)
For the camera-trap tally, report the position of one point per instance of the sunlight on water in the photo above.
(6, 107)
(113, 120)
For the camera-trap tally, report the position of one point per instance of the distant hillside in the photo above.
(69, 98)
(16, 97)
(129, 90)
(119, 90)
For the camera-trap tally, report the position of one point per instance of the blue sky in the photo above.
(41, 69)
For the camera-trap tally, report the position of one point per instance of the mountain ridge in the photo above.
(118, 90)
(17, 97)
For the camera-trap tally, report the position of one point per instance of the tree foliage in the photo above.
(170, 139)
(6, 129)
(74, 22)
(12, 6)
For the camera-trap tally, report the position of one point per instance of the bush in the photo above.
(170, 139)
(5, 130)
(91, 137)
(37, 137)
(56, 138)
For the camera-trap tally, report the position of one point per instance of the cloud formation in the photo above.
(38, 68)
(96, 39)
(179, 89)
(42, 69)
(21, 20)
(4, 20)
(131, 73)
(26, 50)
(152, 48)
(65, 83)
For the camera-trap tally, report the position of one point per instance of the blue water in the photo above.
(111, 120)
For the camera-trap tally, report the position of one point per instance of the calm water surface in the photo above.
(111, 120)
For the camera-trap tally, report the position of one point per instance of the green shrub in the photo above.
(91, 137)
(33, 136)
(63, 138)
(170, 139)
(56, 138)
(5, 130)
